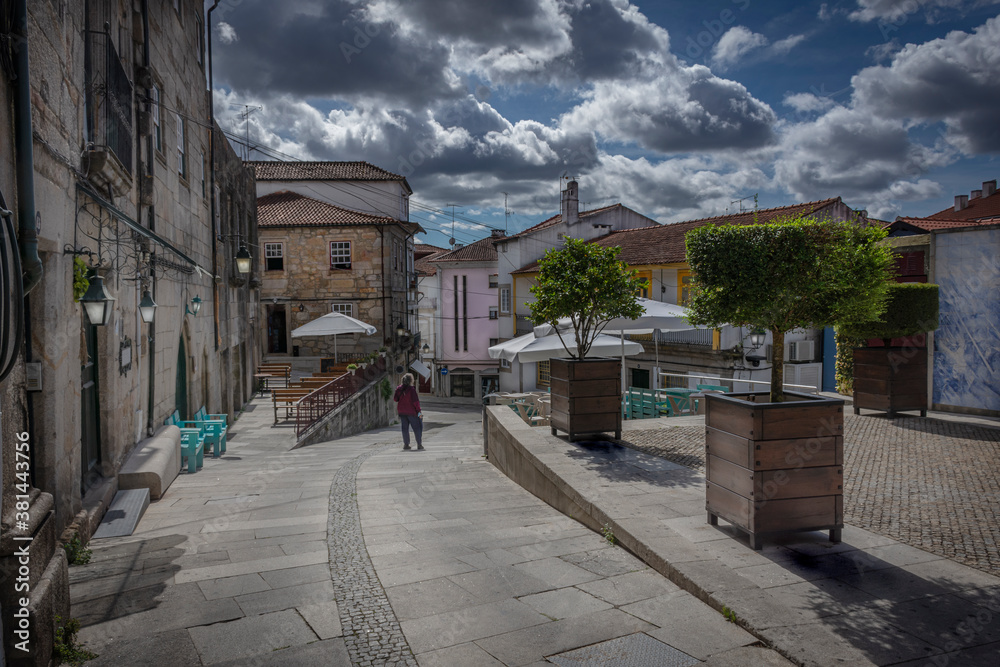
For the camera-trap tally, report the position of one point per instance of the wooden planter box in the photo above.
(893, 379)
(586, 396)
(775, 467)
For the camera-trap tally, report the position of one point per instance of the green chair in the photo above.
(192, 448)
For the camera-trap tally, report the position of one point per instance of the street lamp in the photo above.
(97, 303)
(243, 259)
(757, 338)
(147, 307)
(195, 306)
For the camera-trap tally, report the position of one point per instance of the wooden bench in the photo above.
(269, 372)
(287, 398)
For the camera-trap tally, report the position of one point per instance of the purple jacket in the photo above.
(406, 397)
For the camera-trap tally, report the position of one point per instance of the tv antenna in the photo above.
(743, 199)
(451, 241)
(248, 110)
(506, 213)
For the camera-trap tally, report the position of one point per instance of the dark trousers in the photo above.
(411, 421)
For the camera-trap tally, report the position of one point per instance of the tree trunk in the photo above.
(777, 364)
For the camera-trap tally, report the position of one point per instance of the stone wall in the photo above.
(362, 412)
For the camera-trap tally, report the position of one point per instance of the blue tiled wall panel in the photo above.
(967, 344)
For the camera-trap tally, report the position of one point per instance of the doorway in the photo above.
(640, 378)
(277, 342)
(490, 384)
(90, 423)
(180, 386)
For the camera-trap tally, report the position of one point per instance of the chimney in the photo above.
(497, 233)
(570, 204)
(989, 187)
(976, 194)
(961, 201)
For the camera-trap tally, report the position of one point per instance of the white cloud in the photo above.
(783, 46)
(735, 44)
(896, 11)
(807, 102)
(227, 33)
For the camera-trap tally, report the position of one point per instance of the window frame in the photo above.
(350, 256)
(504, 295)
(157, 120)
(494, 313)
(182, 167)
(494, 281)
(267, 257)
(342, 308)
(681, 275)
(543, 373)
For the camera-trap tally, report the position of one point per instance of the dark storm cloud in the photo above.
(328, 49)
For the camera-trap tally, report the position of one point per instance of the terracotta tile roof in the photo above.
(290, 209)
(423, 265)
(927, 225)
(268, 170)
(978, 209)
(482, 250)
(424, 249)
(664, 244)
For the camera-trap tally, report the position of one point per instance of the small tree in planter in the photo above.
(793, 273)
(895, 378)
(589, 285)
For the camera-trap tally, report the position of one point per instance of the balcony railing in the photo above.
(693, 337)
(109, 99)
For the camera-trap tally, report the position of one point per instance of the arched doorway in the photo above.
(181, 386)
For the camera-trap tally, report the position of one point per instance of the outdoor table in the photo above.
(683, 393)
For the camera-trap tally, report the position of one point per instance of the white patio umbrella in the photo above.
(333, 324)
(539, 346)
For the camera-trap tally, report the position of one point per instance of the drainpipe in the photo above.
(211, 167)
(151, 222)
(27, 237)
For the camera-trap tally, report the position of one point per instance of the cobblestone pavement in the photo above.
(930, 483)
(371, 631)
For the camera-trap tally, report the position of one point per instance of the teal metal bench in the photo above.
(192, 448)
(213, 431)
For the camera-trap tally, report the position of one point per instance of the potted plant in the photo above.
(890, 378)
(774, 460)
(351, 368)
(589, 285)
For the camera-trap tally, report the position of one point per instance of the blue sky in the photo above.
(675, 109)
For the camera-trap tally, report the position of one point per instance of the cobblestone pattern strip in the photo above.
(371, 630)
(930, 483)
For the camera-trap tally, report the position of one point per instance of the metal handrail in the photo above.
(735, 380)
(322, 401)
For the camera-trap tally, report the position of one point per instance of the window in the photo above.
(340, 254)
(274, 257)
(463, 386)
(683, 287)
(504, 363)
(494, 341)
(157, 129)
(343, 308)
(493, 281)
(647, 278)
(493, 313)
(181, 148)
(504, 299)
(201, 174)
(543, 373)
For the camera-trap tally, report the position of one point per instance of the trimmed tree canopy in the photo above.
(788, 274)
(588, 284)
(911, 308)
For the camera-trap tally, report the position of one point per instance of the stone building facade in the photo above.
(122, 186)
(335, 236)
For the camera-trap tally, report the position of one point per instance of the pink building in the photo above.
(467, 320)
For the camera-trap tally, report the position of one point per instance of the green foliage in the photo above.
(80, 282)
(845, 361)
(911, 308)
(352, 367)
(588, 284)
(65, 648)
(385, 389)
(609, 534)
(76, 552)
(729, 614)
(788, 274)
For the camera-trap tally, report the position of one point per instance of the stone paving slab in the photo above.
(510, 581)
(869, 599)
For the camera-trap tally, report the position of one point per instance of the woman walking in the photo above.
(408, 408)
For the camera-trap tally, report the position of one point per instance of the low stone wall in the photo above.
(363, 411)
(505, 434)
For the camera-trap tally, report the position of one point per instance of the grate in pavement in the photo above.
(638, 650)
